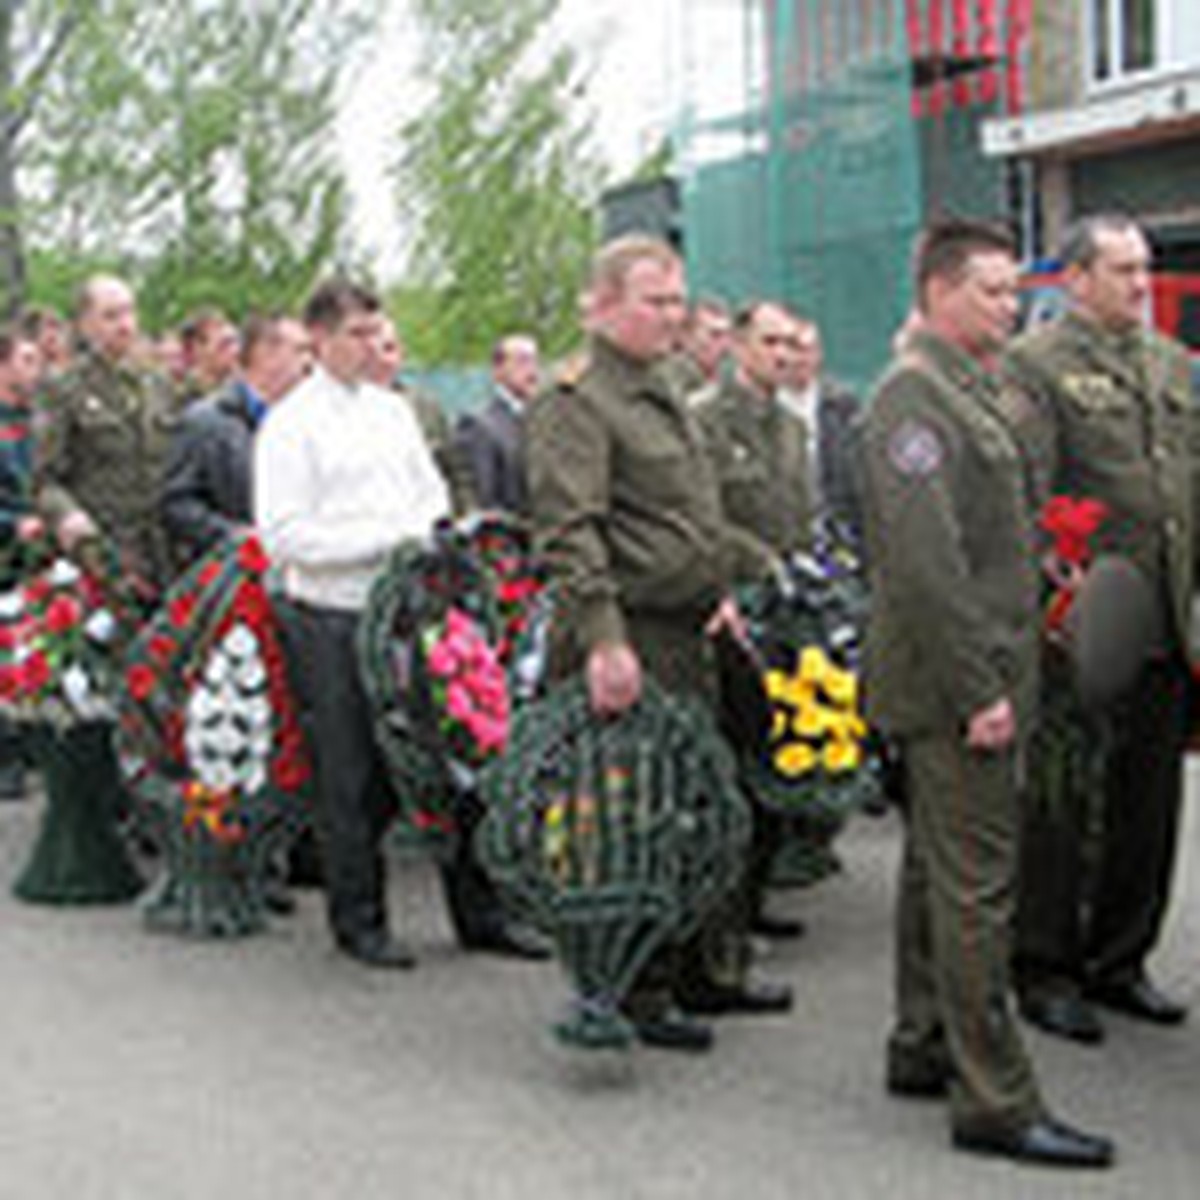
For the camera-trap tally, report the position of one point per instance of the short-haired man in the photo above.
(627, 509)
(386, 363)
(103, 427)
(492, 440)
(47, 330)
(704, 343)
(1109, 409)
(341, 476)
(761, 453)
(209, 340)
(759, 448)
(950, 673)
(831, 414)
(20, 371)
(207, 489)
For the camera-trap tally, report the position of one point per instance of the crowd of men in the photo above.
(681, 453)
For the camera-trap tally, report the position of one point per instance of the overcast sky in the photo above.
(633, 44)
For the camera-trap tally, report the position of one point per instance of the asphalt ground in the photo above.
(139, 1066)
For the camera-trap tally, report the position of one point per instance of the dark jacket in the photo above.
(207, 488)
(492, 443)
(838, 416)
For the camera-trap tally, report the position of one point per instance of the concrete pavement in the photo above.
(140, 1067)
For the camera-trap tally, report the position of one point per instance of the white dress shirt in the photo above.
(805, 404)
(342, 475)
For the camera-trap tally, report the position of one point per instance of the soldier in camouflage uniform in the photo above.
(103, 429)
(627, 511)
(1108, 414)
(951, 674)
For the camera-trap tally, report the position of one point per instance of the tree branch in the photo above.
(29, 88)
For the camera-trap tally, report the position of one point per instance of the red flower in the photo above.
(251, 605)
(513, 591)
(63, 613)
(161, 648)
(209, 573)
(11, 681)
(1071, 523)
(140, 680)
(173, 729)
(252, 557)
(92, 590)
(8, 637)
(36, 590)
(35, 673)
(290, 772)
(181, 610)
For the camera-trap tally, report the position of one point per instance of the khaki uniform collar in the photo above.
(953, 362)
(633, 374)
(1123, 355)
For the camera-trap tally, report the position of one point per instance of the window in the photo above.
(1135, 37)
(1123, 37)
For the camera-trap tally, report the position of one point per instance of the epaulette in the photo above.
(569, 373)
(703, 397)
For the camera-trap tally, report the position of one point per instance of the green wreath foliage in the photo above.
(613, 836)
(482, 568)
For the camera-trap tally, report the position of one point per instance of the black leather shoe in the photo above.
(1044, 1142)
(672, 1030)
(714, 1000)
(912, 1077)
(1063, 1015)
(778, 928)
(1141, 999)
(378, 950)
(277, 899)
(512, 941)
(12, 782)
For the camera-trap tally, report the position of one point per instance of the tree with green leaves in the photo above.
(34, 36)
(497, 180)
(195, 146)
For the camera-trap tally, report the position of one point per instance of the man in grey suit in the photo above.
(491, 440)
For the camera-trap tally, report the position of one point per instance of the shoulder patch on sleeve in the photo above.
(915, 449)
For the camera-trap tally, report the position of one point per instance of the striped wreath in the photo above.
(210, 743)
(614, 837)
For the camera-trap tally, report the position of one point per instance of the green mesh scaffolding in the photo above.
(806, 178)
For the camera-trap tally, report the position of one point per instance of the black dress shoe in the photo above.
(1044, 1142)
(714, 1000)
(917, 1077)
(778, 928)
(512, 941)
(1141, 999)
(378, 950)
(277, 900)
(1063, 1015)
(672, 1030)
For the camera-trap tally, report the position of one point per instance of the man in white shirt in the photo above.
(830, 414)
(342, 475)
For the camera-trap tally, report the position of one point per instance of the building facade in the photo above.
(1111, 122)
